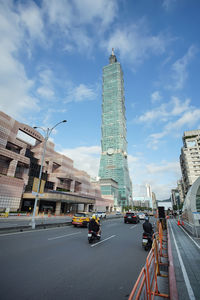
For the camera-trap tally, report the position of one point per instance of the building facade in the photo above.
(190, 158)
(175, 197)
(65, 187)
(113, 163)
(180, 188)
(142, 195)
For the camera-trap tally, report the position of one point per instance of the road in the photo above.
(59, 263)
(186, 257)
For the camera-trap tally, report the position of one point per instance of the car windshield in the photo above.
(79, 215)
(130, 214)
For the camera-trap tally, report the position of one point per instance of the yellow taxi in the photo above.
(81, 219)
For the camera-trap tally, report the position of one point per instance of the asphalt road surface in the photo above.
(186, 257)
(59, 263)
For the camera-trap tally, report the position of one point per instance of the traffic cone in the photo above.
(178, 222)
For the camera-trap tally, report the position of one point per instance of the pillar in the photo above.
(58, 208)
(85, 207)
(72, 185)
(12, 168)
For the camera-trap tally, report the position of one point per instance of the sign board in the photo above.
(35, 185)
(34, 193)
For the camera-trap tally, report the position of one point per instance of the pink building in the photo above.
(66, 188)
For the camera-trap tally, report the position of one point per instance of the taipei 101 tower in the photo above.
(113, 171)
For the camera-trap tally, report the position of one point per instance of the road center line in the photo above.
(61, 236)
(103, 241)
(185, 276)
(133, 226)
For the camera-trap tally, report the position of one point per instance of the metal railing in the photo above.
(146, 286)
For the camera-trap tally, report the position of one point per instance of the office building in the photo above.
(142, 195)
(113, 163)
(66, 189)
(190, 158)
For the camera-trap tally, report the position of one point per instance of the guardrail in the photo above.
(146, 286)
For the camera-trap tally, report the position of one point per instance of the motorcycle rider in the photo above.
(148, 228)
(94, 225)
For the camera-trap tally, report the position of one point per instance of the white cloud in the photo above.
(45, 92)
(167, 4)
(15, 86)
(46, 83)
(155, 97)
(135, 43)
(68, 14)
(77, 19)
(88, 159)
(173, 118)
(80, 93)
(172, 167)
(161, 176)
(31, 19)
(166, 111)
(103, 10)
(85, 158)
(179, 69)
(188, 121)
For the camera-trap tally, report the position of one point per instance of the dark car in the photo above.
(131, 218)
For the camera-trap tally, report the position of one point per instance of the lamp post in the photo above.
(47, 134)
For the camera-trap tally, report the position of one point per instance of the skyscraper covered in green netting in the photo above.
(113, 163)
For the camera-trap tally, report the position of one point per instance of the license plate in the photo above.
(89, 234)
(144, 241)
(129, 217)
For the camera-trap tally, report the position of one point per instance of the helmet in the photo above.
(146, 218)
(94, 217)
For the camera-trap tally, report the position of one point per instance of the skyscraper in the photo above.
(113, 163)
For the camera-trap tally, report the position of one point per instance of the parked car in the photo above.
(118, 213)
(131, 217)
(141, 216)
(100, 214)
(81, 219)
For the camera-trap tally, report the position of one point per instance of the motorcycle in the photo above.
(92, 236)
(147, 241)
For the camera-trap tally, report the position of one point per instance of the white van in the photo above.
(100, 214)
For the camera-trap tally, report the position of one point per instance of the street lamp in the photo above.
(47, 134)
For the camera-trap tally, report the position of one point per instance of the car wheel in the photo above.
(125, 222)
(75, 225)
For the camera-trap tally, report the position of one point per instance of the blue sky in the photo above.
(51, 59)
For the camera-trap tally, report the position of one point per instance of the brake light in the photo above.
(125, 216)
(133, 216)
(89, 231)
(145, 237)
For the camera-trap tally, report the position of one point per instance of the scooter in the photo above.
(146, 241)
(92, 236)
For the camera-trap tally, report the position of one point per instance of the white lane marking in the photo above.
(31, 231)
(187, 282)
(190, 237)
(112, 236)
(61, 236)
(133, 226)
